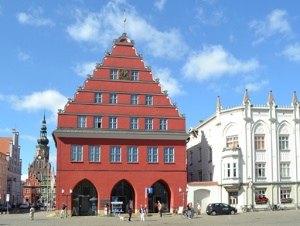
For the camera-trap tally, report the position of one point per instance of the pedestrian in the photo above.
(130, 212)
(142, 213)
(199, 208)
(63, 209)
(159, 208)
(189, 209)
(31, 212)
(146, 210)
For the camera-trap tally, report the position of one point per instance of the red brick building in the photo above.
(119, 135)
(31, 190)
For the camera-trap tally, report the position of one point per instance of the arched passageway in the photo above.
(161, 192)
(84, 199)
(123, 192)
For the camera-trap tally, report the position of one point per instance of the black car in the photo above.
(3, 207)
(220, 208)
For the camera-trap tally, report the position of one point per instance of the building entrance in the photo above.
(123, 192)
(84, 199)
(160, 193)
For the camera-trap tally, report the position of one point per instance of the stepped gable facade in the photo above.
(120, 141)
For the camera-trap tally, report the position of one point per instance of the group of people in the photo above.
(143, 211)
(190, 209)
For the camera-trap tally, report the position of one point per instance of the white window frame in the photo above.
(132, 154)
(98, 98)
(232, 141)
(115, 154)
(81, 121)
(149, 100)
(98, 122)
(113, 98)
(163, 124)
(134, 99)
(94, 153)
(134, 75)
(114, 74)
(169, 155)
(152, 155)
(113, 122)
(149, 123)
(76, 153)
(260, 170)
(134, 123)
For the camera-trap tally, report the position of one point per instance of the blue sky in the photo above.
(198, 49)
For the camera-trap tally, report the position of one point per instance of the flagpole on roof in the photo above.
(124, 20)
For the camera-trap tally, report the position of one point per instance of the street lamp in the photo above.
(64, 194)
(183, 194)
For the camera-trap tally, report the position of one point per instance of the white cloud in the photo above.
(24, 177)
(275, 23)
(292, 52)
(50, 100)
(255, 86)
(100, 27)
(23, 56)
(35, 18)
(160, 4)
(84, 68)
(168, 82)
(216, 17)
(213, 62)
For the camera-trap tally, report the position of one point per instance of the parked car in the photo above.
(220, 208)
(3, 207)
(24, 206)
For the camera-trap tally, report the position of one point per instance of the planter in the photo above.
(261, 202)
(286, 200)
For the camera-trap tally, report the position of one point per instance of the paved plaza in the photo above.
(262, 218)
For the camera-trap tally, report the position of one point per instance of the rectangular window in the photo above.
(134, 99)
(97, 122)
(27, 191)
(228, 169)
(232, 141)
(260, 193)
(76, 153)
(113, 122)
(113, 74)
(169, 155)
(285, 193)
(284, 143)
(132, 154)
(200, 154)
(260, 170)
(149, 100)
(134, 75)
(163, 124)
(81, 121)
(115, 154)
(134, 123)
(98, 98)
(94, 154)
(113, 98)
(234, 169)
(152, 155)
(200, 175)
(149, 123)
(284, 169)
(259, 142)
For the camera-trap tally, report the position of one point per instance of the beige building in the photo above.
(251, 151)
(9, 146)
(3, 175)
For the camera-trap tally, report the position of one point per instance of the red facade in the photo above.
(118, 136)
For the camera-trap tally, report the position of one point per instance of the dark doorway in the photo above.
(160, 193)
(123, 192)
(84, 199)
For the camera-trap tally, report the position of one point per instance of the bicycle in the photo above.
(193, 214)
(280, 207)
(249, 209)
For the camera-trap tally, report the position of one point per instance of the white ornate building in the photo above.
(250, 153)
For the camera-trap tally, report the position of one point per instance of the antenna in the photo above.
(124, 20)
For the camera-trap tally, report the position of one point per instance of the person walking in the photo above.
(159, 208)
(63, 210)
(130, 213)
(142, 213)
(189, 209)
(199, 208)
(31, 212)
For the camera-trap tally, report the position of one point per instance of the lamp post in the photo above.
(64, 194)
(182, 193)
